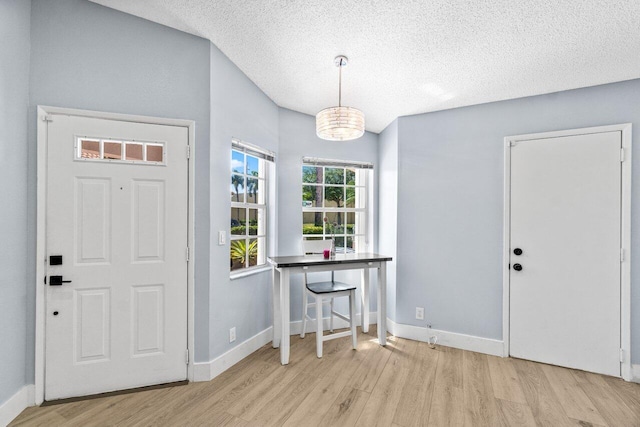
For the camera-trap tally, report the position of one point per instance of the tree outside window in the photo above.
(334, 205)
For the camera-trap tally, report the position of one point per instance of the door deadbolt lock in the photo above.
(57, 281)
(517, 251)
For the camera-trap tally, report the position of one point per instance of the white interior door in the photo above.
(565, 217)
(117, 195)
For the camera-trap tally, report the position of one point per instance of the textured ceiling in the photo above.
(411, 56)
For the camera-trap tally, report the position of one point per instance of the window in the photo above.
(334, 202)
(96, 149)
(249, 185)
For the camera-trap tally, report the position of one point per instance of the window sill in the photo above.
(249, 272)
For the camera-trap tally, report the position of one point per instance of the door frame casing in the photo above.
(625, 231)
(41, 244)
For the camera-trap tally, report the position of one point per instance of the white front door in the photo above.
(565, 284)
(117, 198)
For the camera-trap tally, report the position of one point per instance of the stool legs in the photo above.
(331, 318)
(320, 338)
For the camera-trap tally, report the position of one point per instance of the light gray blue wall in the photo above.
(240, 110)
(297, 139)
(388, 208)
(90, 57)
(444, 169)
(450, 202)
(14, 101)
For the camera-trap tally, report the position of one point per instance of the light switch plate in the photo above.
(222, 238)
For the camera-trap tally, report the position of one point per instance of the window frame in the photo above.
(362, 186)
(78, 149)
(266, 160)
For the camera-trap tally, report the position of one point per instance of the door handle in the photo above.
(517, 267)
(57, 281)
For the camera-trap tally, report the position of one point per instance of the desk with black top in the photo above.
(284, 266)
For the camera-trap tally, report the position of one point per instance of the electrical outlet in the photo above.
(420, 313)
(222, 238)
(232, 334)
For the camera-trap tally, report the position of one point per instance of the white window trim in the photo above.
(268, 158)
(253, 150)
(250, 271)
(366, 212)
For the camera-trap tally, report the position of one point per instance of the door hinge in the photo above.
(621, 355)
(186, 356)
(188, 151)
(47, 118)
(621, 254)
(622, 154)
(187, 254)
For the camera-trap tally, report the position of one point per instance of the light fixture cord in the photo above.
(340, 84)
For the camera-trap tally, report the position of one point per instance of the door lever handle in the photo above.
(57, 281)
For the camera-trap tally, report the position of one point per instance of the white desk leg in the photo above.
(365, 292)
(277, 328)
(319, 325)
(285, 309)
(382, 304)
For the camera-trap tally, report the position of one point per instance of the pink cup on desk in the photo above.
(327, 253)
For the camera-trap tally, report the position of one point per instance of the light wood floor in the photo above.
(405, 384)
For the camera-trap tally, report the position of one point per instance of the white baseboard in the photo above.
(635, 373)
(206, 371)
(17, 403)
(448, 339)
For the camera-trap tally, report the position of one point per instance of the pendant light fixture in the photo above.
(340, 123)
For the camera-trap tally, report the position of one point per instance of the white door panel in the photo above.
(122, 231)
(565, 216)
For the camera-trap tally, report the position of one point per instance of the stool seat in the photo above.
(329, 287)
